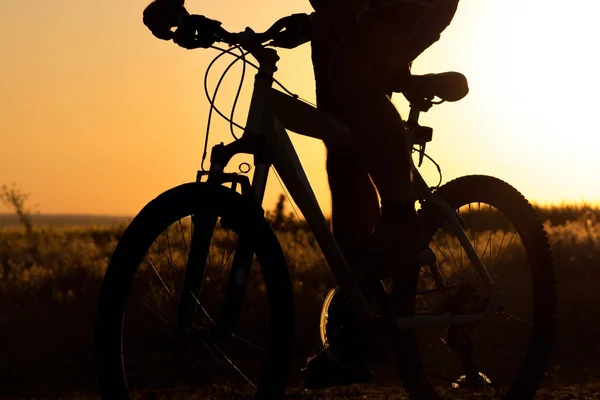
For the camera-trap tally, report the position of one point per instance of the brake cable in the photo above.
(211, 100)
(232, 124)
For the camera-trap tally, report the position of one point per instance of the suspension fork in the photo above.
(204, 222)
(242, 263)
(203, 226)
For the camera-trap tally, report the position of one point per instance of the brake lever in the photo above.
(244, 38)
(227, 37)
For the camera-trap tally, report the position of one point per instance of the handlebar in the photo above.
(247, 39)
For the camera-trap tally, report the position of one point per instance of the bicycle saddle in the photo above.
(448, 86)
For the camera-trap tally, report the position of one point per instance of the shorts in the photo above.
(422, 21)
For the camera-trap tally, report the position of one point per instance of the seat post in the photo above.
(413, 117)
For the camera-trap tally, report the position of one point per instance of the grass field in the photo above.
(49, 284)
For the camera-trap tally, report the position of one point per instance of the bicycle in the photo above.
(206, 213)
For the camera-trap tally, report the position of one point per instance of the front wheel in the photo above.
(196, 298)
(505, 355)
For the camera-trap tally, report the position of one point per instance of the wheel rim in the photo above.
(158, 356)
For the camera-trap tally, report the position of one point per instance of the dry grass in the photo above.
(49, 283)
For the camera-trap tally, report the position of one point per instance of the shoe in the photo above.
(400, 246)
(322, 372)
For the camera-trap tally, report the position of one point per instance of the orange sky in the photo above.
(96, 116)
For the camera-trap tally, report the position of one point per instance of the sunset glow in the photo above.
(99, 117)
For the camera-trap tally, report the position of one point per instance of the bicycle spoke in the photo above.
(445, 258)
(247, 342)
(500, 247)
(444, 255)
(160, 277)
(504, 252)
(212, 353)
(222, 264)
(491, 266)
(152, 309)
(452, 255)
(169, 244)
(234, 366)
(202, 308)
(185, 246)
(173, 267)
(237, 337)
(229, 256)
(482, 258)
(225, 246)
(509, 315)
(488, 244)
(157, 291)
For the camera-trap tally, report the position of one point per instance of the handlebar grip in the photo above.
(202, 25)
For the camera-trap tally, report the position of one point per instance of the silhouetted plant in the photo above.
(13, 197)
(278, 216)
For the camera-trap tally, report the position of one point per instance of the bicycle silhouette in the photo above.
(199, 268)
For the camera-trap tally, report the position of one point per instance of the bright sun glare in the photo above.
(532, 67)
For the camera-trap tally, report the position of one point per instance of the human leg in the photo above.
(355, 210)
(355, 206)
(361, 70)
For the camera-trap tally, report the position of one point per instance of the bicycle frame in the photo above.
(265, 136)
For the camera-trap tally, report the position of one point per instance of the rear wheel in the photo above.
(196, 298)
(504, 356)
